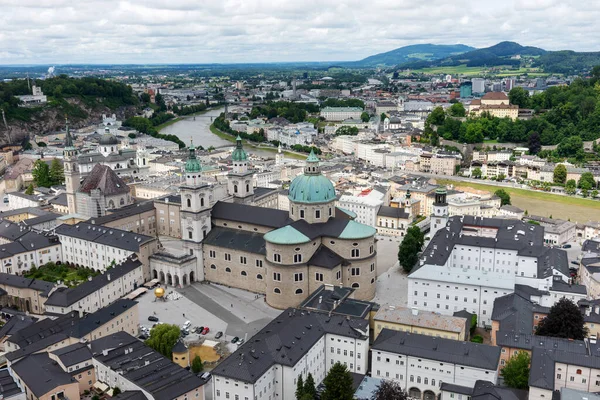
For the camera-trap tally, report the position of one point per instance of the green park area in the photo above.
(70, 276)
(541, 203)
(478, 71)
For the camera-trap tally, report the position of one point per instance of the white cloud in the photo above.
(191, 31)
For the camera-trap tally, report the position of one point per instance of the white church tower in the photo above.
(439, 216)
(240, 180)
(279, 156)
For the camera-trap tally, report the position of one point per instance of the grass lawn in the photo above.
(231, 138)
(491, 141)
(458, 69)
(541, 203)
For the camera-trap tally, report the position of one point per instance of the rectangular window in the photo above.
(212, 254)
(318, 214)
(355, 271)
(259, 263)
(276, 257)
(242, 260)
(297, 258)
(298, 277)
(277, 276)
(227, 257)
(319, 276)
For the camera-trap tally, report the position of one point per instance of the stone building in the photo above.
(102, 190)
(286, 255)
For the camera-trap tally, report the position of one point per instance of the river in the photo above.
(198, 130)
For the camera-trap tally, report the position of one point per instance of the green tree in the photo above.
(41, 174)
(457, 110)
(571, 147)
(436, 117)
(586, 181)
(560, 174)
(29, 190)
(504, 197)
(390, 390)
(299, 387)
(408, 252)
(534, 143)
(57, 173)
(163, 337)
(338, 384)
(197, 365)
(145, 98)
(42, 144)
(516, 371)
(116, 391)
(564, 321)
(594, 193)
(476, 173)
(571, 187)
(519, 96)
(365, 117)
(310, 390)
(346, 130)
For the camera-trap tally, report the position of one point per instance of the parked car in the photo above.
(206, 330)
(153, 318)
(235, 340)
(219, 335)
(185, 332)
(143, 336)
(566, 246)
(240, 342)
(187, 324)
(6, 199)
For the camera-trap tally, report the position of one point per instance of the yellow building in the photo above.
(422, 322)
(496, 104)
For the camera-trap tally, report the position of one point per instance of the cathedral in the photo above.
(285, 255)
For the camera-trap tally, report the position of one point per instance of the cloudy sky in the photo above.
(226, 31)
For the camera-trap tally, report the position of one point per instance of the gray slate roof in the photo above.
(392, 212)
(326, 258)
(105, 179)
(236, 239)
(118, 238)
(124, 212)
(514, 312)
(439, 349)
(285, 340)
(22, 282)
(262, 216)
(529, 341)
(73, 354)
(8, 386)
(41, 374)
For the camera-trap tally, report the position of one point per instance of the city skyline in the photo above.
(183, 31)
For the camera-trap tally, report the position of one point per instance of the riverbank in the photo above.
(182, 117)
(540, 203)
(231, 138)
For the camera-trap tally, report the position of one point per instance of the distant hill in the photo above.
(568, 61)
(499, 54)
(415, 52)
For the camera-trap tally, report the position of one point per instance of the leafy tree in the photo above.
(586, 181)
(564, 321)
(560, 174)
(29, 190)
(477, 339)
(504, 197)
(594, 193)
(116, 391)
(390, 390)
(41, 174)
(457, 110)
(346, 130)
(516, 371)
(145, 98)
(476, 173)
(299, 387)
(410, 247)
(163, 337)
(338, 384)
(42, 144)
(197, 365)
(57, 173)
(132, 135)
(436, 117)
(383, 116)
(310, 390)
(473, 323)
(519, 96)
(365, 117)
(571, 187)
(534, 143)
(571, 147)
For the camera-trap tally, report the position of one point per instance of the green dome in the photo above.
(286, 235)
(192, 164)
(311, 187)
(239, 154)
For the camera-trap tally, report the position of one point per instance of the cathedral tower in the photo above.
(71, 170)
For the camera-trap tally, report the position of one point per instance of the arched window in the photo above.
(426, 381)
(247, 187)
(189, 202)
(213, 266)
(299, 291)
(235, 189)
(301, 213)
(122, 202)
(244, 273)
(318, 214)
(201, 201)
(372, 280)
(433, 382)
(227, 269)
(259, 276)
(276, 290)
(355, 285)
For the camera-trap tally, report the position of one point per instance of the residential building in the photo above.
(365, 208)
(421, 363)
(471, 261)
(413, 320)
(556, 231)
(394, 221)
(496, 104)
(481, 390)
(294, 344)
(24, 293)
(341, 113)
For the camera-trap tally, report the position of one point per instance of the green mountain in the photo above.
(415, 52)
(568, 61)
(499, 54)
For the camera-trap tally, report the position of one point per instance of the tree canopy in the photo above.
(197, 365)
(564, 321)
(504, 196)
(346, 130)
(41, 174)
(390, 390)
(163, 337)
(457, 110)
(516, 371)
(410, 247)
(338, 384)
(560, 174)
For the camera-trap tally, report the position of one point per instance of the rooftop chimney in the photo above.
(415, 311)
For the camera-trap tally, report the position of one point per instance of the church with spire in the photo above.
(282, 254)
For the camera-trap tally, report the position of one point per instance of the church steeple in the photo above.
(68, 138)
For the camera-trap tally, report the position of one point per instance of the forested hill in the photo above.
(411, 53)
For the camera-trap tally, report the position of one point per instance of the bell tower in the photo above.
(439, 216)
(71, 170)
(240, 183)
